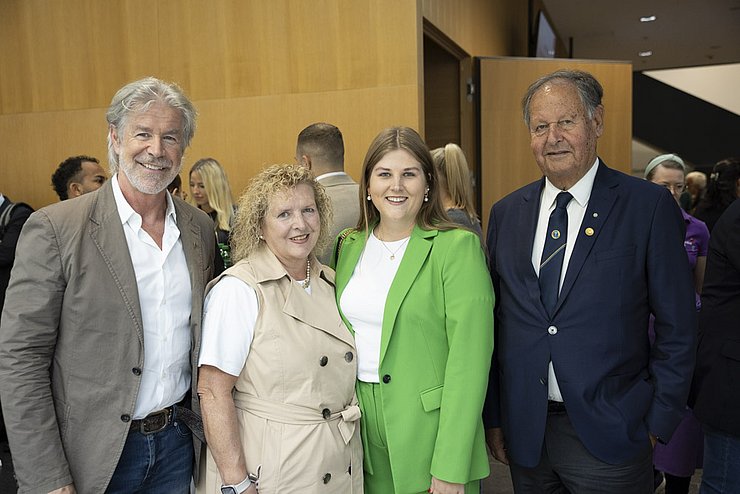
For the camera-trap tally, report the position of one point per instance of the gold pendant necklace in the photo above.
(393, 252)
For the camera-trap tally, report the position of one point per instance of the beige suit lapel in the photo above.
(106, 232)
(318, 309)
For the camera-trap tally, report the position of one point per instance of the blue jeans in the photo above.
(721, 463)
(155, 463)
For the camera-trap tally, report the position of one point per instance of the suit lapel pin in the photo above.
(596, 215)
(589, 231)
(555, 234)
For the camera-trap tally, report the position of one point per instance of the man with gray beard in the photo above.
(101, 326)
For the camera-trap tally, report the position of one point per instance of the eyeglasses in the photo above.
(564, 125)
(677, 188)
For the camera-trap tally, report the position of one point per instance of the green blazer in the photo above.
(436, 345)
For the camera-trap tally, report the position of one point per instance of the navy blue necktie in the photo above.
(554, 252)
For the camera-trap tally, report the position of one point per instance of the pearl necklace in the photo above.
(307, 282)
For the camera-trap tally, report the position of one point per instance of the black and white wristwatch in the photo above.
(237, 488)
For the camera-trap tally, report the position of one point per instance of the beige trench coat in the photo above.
(295, 398)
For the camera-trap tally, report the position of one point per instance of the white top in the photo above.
(363, 301)
(229, 317)
(576, 208)
(165, 298)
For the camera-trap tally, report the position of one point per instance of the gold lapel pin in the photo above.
(589, 232)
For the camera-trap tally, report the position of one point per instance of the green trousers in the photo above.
(376, 445)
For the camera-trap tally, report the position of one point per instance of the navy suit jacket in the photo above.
(631, 263)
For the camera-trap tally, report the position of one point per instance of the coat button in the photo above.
(348, 356)
(125, 418)
(327, 478)
(323, 361)
(552, 330)
(326, 413)
(136, 371)
(386, 379)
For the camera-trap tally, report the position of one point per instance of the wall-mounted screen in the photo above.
(546, 38)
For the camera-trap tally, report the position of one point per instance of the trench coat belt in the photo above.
(288, 413)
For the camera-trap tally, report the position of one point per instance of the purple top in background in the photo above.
(696, 242)
(684, 452)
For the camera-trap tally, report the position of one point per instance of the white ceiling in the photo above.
(686, 33)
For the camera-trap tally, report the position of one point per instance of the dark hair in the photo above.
(68, 171)
(432, 214)
(589, 90)
(175, 184)
(324, 142)
(722, 188)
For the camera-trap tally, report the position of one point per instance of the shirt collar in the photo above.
(2, 199)
(329, 174)
(581, 191)
(126, 212)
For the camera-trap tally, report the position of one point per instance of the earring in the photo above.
(426, 195)
(368, 197)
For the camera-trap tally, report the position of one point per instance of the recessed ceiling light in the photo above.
(645, 53)
(648, 18)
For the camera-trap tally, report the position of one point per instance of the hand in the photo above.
(495, 440)
(442, 487)
(67, 489)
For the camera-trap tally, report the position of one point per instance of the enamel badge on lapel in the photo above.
(555, 234)
(589, 232)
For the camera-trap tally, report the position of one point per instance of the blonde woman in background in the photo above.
(210, 192)
(455, 189)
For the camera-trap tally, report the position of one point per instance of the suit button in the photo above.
(348, 356)
(386, 379)
(125, 418)
(136, 371)
(323, 361)
(327, 478)
(552, 330)
(326, 413)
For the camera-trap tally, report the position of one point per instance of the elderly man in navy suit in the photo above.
(579, 261)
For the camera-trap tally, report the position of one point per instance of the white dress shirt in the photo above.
(165, 297)
(576, 209)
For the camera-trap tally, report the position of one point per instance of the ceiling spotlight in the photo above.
(645, 53)
(648, 18)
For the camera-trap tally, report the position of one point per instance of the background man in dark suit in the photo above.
(579, 261)
(715, 391)
(320, 147)
(101, 326)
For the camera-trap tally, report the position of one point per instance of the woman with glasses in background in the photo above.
(678, 459)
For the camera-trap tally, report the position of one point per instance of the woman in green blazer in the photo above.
(415, 291)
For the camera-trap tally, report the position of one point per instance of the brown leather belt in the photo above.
(154, 422)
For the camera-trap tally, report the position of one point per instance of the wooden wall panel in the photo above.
(258, 71)
(507, 161)
(481, 27)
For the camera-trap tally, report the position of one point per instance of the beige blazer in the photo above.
(345, 201)
(296, 405)
(71, 339)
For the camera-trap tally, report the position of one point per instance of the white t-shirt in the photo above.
(229, 317)
(363, 301)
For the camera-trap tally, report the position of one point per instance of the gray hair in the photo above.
(138, 96)
(589, 90)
